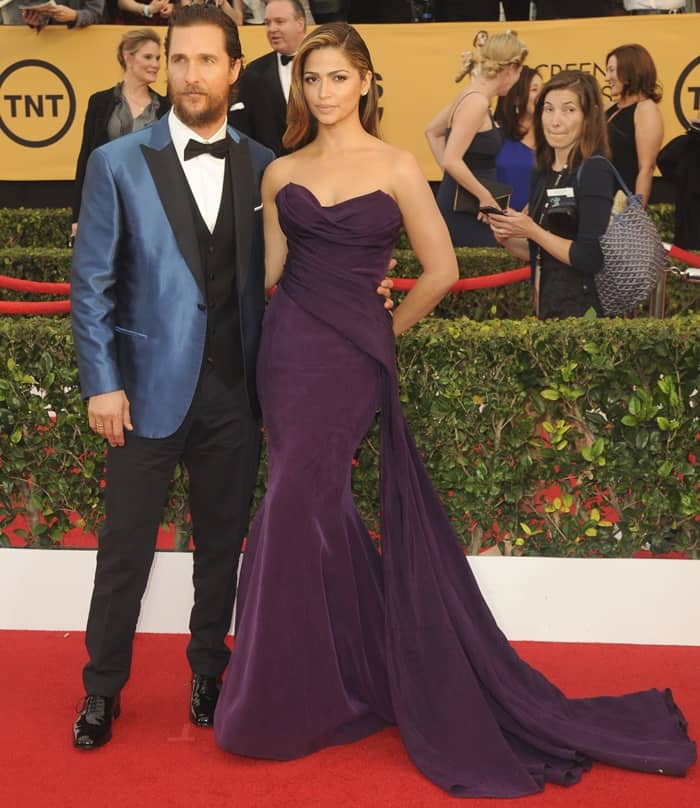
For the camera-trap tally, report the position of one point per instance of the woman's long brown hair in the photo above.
(301, 124)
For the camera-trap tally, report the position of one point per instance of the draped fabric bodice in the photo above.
(355, 236)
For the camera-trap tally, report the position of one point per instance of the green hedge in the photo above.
(606, 411)
(35, 227)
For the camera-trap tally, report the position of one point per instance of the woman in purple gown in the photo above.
(333, 640)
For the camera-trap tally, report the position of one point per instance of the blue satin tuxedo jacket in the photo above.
(137, 288)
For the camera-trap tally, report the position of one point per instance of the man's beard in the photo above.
(212, 112)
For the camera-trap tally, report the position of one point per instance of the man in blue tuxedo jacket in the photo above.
(167, 302)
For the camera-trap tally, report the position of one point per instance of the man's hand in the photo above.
(62, 14)
(108, 415)
(386, 286)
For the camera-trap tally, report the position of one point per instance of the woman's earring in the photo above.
(517, 109)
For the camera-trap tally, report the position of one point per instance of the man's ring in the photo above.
(99, 425)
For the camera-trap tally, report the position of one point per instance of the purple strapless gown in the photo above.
(334, 640)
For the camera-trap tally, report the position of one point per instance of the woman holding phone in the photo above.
(571, 197)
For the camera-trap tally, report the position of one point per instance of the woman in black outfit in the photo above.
(126, 107)
(635, 123)
(571, 198)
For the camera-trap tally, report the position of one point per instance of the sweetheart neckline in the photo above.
(342, 202)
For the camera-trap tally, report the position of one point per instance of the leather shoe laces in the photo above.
(93, 727)
(94, 708)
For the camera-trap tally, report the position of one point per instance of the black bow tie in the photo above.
(217, 149)
(285, 59)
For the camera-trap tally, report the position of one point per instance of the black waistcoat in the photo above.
(217, 252)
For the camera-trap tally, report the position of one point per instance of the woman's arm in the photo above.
(514, 228)
(430, 240)
(139, 8)
(233, 9)
(274, 178)
(436, 134)
(468, 118)
(648, 135)
(519, 247)
(593, 203)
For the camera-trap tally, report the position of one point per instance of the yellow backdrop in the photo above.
(46, 78)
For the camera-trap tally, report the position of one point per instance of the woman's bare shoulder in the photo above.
(278, 173)
(647, 108)
(403, 162)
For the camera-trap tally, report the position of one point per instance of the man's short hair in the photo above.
(299, 10)
(206, 14)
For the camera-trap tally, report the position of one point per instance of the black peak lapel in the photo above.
(170, 182)
(244, 199)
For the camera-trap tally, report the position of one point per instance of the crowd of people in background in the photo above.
(79, 13)
(474, 146)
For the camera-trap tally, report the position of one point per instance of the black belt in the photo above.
(658, 11)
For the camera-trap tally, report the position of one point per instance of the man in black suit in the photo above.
(261, 109)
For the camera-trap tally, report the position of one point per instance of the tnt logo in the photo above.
(686, 96)
(37, 103)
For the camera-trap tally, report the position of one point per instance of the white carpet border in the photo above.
(639, 601)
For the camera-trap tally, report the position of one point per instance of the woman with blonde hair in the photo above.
(465, 139)
(128, 106)
(334, 640)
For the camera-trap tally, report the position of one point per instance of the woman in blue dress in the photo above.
(515, 115)
(465, 139)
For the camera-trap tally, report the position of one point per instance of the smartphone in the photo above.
(489, 209)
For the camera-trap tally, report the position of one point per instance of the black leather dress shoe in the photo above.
(205, 692)
(94, 725)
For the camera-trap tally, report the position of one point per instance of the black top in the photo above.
(569, 290)
(100, 107)
(679, 161)
(622, 142)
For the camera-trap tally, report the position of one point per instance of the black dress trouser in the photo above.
(219, 443)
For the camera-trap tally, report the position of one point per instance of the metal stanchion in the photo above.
(657, 301)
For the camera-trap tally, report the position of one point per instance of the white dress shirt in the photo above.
(285, 74)
(205, 173)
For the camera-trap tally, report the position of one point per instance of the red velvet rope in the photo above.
(22, 307)
(692, 259)
(35, 287)
(465, 284)
(400, 284)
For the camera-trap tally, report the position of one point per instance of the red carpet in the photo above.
(157, 759)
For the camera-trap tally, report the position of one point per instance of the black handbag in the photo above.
(561, 219)
(466, 202)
